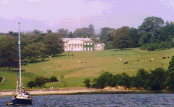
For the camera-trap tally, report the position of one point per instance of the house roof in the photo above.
(99, 44)
(81, 39)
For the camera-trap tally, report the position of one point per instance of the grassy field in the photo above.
(93, 64)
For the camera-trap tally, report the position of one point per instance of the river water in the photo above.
(99, 100)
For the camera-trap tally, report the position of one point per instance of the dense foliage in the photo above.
(53, 79)
(157, 79)
(40, 81)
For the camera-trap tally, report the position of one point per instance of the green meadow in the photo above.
(93, 64)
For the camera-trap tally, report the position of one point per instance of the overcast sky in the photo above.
(72, 14)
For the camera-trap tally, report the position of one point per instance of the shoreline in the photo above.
(87, 91)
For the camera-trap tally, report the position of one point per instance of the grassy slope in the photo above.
(91, 66)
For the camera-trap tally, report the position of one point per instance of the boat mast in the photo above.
(19, 48)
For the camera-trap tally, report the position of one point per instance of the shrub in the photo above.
(157, 79)
(39, 81)
(87, 83)
(53, 79)
(141, 79)
(1, 79)
(104, 80)
(31, 84)
(47, 79)
(143, 47)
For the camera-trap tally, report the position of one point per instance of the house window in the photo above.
(88, 48)
(91, 48)
(91, 43)
(84, 43)
(87, 43)
(85, 48)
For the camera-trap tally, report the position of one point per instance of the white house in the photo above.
(78, 44)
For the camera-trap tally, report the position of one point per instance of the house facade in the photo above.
(78, 44)
(99, 46)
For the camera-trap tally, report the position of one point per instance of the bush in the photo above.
(53, 79)
(141, 79)
(87, 83)
(47, 79)
(157, 79)
(39, 81)
(104, 80)
(1, 79)
(143, 47)
(31, 84)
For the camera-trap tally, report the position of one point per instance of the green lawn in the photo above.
(93, 63)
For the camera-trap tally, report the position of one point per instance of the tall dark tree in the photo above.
(134, 37)
(121, 38)
(91, 30)
(108, 39)
(104, 32)
(53, 43)
(70, 35)
(49, 31)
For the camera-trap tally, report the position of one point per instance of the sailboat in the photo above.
(20, 97)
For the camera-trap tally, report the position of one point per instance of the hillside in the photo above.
(93, 63)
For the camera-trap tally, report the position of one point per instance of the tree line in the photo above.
(152, 34)
(35, 47)
(157, 79)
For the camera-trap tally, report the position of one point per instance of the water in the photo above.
(99, 100)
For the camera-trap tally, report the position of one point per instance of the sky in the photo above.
(73, 14)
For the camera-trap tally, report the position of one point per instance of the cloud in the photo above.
(5, 1)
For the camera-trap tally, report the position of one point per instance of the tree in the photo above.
(35, 51)
(148, 28)
(91, 30)
(8, 53)
(157, 79)
(171, 65)
(121, 38)
(134, 37)
(70, 35)
(104, 32)
(61, 77)
(108, 39)
(40, 81)
(87, 83)
(49, 31)
(125, 80)
(82, 32)
(36, 32)
(63, 32)
(141, 79)
(54, 44)
(104, 80)
(170, 81)
(53, 79)
(31, 84)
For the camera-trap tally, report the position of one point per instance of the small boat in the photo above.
(20, 97)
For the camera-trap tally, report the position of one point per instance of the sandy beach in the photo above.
(72, 91)
(49, 92)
